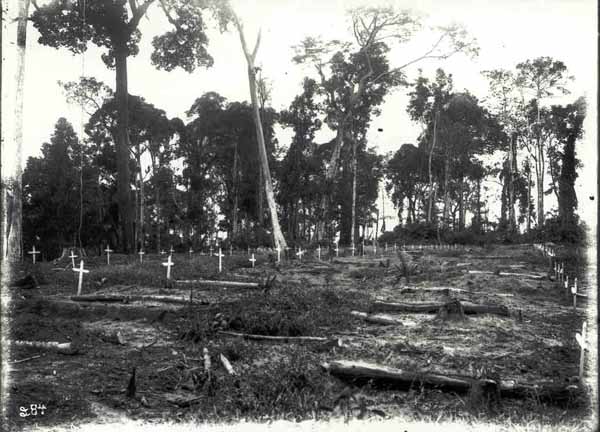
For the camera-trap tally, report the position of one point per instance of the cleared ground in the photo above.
(533, 343)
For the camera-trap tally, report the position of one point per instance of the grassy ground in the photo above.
(284, 381)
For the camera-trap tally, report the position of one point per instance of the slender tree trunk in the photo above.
(354, 171)
(234, 210)
(158, 218)
(511, 185)
(429, 209)
(142, 202)
(446, 185)
(12, 186)
(539, 171)
(461, 207)
(567, 198)
(259, 200)
(529, 199)
(278, 238)
(478, 218)
(123, 187)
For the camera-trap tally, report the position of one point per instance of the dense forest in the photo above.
(140, 180)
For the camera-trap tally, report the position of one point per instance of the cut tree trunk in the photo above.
(378, 319)
(219, 283)
(59, 347)
(469, 308)
(281, 339)
(381, 376)
(130, 298)
(521, 275)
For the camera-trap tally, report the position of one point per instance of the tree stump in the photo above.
(451, 311)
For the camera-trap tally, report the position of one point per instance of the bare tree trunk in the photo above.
(158, 221)
(429, 167)
(529, 199)
(354, 170)
(123, 189)
(511, 185)
(12, 187)
(329, 175)
(278, 239)
(234, 210)
(446, 192)
(539, 171)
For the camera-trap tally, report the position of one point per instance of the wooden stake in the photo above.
(581, 339)
(220, 260)
(300, 253)
(141, 254)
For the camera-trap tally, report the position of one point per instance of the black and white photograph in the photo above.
(230, 215)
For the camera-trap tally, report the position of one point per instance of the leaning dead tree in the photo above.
(278, 238)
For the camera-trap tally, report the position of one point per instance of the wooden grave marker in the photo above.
(169, 264)
(108, 250)
(252, 260)
(33, 253)
(81, 271)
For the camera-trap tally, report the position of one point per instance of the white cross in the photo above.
(353, 248)
(108, 250)
(319, 252)
(210, 251)
(191, 251)
(72, 256)
(171, 250)
(141, 254)
(278, 249)
(337, 250)
(252, 260)
(374, 249)
(33, 252)
(162, 252)
(300, 253)
(81, 271)
(169, 264)
(581, 340)
(220, 260)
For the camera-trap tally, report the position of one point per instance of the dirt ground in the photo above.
(164, 342)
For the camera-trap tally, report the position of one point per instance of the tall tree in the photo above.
(113, 24)
(374, 30)
(278, 238)
(12, 204)
(543, 77)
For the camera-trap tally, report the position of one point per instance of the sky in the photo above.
(507, 32)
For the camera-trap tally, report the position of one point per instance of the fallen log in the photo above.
(361, 373)
(219, 283)
(378, 319)
(258, 337)
(129, 298)
(448, 290)
(469, 308)
(67, 348)
(522, 275)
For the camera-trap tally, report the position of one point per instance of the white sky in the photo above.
(508, 32)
